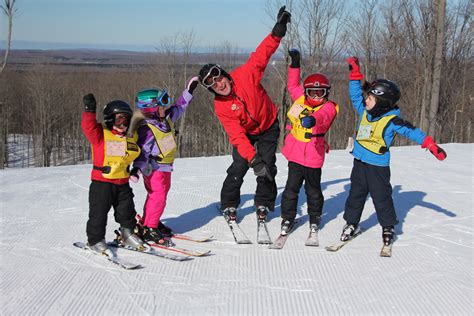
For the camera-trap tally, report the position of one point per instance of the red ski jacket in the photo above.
(248, 109)
(95, 134)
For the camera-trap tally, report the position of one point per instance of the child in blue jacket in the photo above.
(379, 122)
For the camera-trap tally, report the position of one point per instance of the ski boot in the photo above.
(262, 212)
(101, 248)
(230, 214)
(286, 226)
(139, 226)
(154, 235)
(349, 231)
(165, 230)
(314, 222)
(313, 229)
(129, 239)
(388, 235)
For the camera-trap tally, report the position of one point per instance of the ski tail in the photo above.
(127, 265)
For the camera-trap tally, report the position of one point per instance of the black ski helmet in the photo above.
(386, 92)
(115, 107)
(205, 71)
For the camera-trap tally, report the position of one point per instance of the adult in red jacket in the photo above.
(112, 152)
(249, 117)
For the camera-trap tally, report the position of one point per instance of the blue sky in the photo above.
(136, 23)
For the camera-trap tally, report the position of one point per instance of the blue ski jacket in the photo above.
(395, 126)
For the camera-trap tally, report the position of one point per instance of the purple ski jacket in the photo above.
(147, 142)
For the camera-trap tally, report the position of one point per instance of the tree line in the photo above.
(425, 46)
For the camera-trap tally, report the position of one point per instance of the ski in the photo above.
(114, 259)
(176, 236)
(192, 238)
(150, 251)
(183, 251)
(339, 244)
(386, 250)
(263, 236)
(279, 243)
(239, 236)
(312, 240)
(237, 232)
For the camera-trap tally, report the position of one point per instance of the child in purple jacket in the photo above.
(157, 141)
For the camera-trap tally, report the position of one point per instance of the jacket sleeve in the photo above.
(91, 128)
(324, 117)
(356, 96)
(237, 136)
(147, 144)
(259, 59)
(406, 129)
(180, 106)
(294, 84)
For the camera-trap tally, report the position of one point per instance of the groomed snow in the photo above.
(44, 210)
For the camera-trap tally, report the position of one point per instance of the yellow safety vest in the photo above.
(370, 134)
(119, 153)
(298, 110)
(166, 142)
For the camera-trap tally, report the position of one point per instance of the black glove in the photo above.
(90, 104)
(308, 121)
(295, 58)
(259, 168)
(283, 17)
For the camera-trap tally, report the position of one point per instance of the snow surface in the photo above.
(44, 210)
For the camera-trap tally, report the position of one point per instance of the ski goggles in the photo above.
(315, 93)
(121, 119)
(211, 77)
(153, 99)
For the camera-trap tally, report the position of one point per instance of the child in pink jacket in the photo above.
(311, 116)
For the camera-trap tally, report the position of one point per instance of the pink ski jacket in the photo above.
(309, 154)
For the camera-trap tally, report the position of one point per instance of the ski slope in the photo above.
(44, 210)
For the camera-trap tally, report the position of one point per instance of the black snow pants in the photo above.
(266, 192)
(312, 185)
(365, 179)
(102, 196)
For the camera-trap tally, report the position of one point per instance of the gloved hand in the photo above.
(134, 174)
(283, 17)
(259, 167)
(295, 58)
(354, 69)
(90, 104)
(192, 84)
(437, 151)
(308, 121)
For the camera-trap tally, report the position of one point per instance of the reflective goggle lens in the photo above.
(162, 99)
(316, 92)
(121, 119)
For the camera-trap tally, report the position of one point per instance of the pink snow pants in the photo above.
(157, 185)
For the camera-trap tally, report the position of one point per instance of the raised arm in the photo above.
(90, 127)
(355, 88)
(294, 75)
(184, 100)
(259, 59)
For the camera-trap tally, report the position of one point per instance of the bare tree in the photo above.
(9, 10)
(187, 40)
(440, 10)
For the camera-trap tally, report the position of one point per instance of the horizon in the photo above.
(121, 24)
